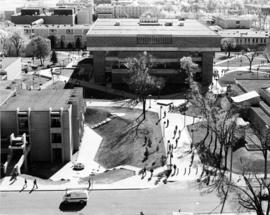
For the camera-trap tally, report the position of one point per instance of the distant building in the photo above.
(8, 14)
(97, 2)
(104, 11)
(122, 11)
(55, 16)
(51, 119)
(61, 36)
(10, 68)
(246, 38)
(233, 22)
(111, 41)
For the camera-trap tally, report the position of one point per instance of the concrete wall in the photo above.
(14, 70)
(258, 118)
(85, 16)
(131, 41)
(40, 136)
(233, 23)
(99, 67)
(207, 67)
(67, 137)
(8, 123)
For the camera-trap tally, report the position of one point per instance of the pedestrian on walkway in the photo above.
(174, 169)
(89, 182)
(176, 143)
(35, 186)
(149, 143)
(164, 114)
(167, 123)
(25, 183)
(145, 139)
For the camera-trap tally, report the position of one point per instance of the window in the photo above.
(154, 39)
(53, 30)
(55, 122)
(69, 31)
(237, 22)
(56, 138)
(23, 124)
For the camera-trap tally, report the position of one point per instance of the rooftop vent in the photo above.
(168, 24)
(181, 24)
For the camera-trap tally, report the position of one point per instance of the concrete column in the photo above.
(207, 67)
(99, 66)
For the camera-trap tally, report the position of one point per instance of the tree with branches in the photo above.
(250, 54)
(17, 40)
(140, 81)
(228, 45)
(38, 47)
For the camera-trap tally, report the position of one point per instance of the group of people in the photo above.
(35, 186)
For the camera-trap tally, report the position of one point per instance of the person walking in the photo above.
(35, 186)
(25, 183)
(89, 182)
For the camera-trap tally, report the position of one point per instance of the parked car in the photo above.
(76, 195)
(78, 166)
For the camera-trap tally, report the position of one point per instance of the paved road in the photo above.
(162, 200)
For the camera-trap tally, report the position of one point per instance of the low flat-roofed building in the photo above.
(246, 37)
(10, 68)
(51, 119)
(113, 40)
(233, 22)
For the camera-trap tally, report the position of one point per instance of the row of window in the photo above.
(251, 40)
(54, 31)
(154, 39)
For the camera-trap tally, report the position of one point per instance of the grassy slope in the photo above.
(121, 145)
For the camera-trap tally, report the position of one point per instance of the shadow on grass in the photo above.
(75, 206)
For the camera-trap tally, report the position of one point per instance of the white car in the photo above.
(76, 195)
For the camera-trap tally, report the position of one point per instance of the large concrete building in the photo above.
(111, 41)
(51, 119)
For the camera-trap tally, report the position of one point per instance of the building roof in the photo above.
(7, 61)
(39, 100)
(131, 27)
(243, 33)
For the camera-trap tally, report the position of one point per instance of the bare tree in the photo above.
(228, 45)
(17, 40)
(250, 54)
(140, 81)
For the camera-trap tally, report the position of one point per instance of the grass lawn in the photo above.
(121, 145)
(230, 77)
(110, 176)
(236, 61)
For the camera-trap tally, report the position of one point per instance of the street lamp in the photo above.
(160, 111)
(164, 130)
(150, 101)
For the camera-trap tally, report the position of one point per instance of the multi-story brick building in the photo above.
(52, 121)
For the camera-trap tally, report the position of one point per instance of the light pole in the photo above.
(150, 101)
(164, 130)
(160, 111)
